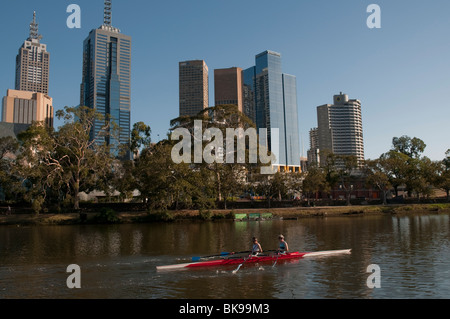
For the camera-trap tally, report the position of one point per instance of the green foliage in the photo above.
(411, 147)
(314, 181)
(231, 215)
(204, 214)
(53, 166)
(9, 182)
(69, 160)
(140, 137)
(106, 216)
(159, 216)
(37, 205)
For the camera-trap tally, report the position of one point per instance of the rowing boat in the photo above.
(234, 260)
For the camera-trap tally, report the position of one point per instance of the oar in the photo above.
(239, 267)
(278, 255)
(220, 255)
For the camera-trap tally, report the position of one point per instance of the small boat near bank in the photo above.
(235, 260)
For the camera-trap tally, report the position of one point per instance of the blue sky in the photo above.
(401, 72)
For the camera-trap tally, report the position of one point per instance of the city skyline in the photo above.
(396, 71)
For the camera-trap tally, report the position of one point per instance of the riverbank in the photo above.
(192, 215)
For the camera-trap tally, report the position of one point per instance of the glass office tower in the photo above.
(275, 100)
(106, 84)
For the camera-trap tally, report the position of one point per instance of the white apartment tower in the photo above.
(340, 127)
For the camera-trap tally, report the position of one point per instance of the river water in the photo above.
(119, 261)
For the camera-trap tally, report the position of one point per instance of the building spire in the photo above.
(107, 13)
(34, 31)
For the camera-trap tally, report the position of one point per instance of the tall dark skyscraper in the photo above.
(274, 97)
(194, 87)
(228, 87)
(33, 63)
(106, 83)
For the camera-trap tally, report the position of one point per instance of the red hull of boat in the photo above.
(254, 259)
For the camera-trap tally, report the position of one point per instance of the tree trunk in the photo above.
(76, 191)
(219, 194)
(384, 198)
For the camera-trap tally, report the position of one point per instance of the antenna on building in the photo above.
(107, 13)
(34, 31)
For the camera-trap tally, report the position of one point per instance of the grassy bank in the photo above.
(109, 216)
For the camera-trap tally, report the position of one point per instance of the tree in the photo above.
(69, 159)
(271, 186)
(377, 172)
(426, 177)
(8, 145)
(443, 180)
(412, 147)
(227, 177)
(164, 184)
(314, 181)
(8, 180)
(395, 166)
(32, 165)
(140, 137)
(347, 166)
(329, 167)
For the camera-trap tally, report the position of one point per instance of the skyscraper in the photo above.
(313, 152)
(106, 83)
(193, 87)
(274, 96)
(33, 63)
(30, 102)
(228, 87)
(340, 127)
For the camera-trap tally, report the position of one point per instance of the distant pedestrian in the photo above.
(8, 212)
